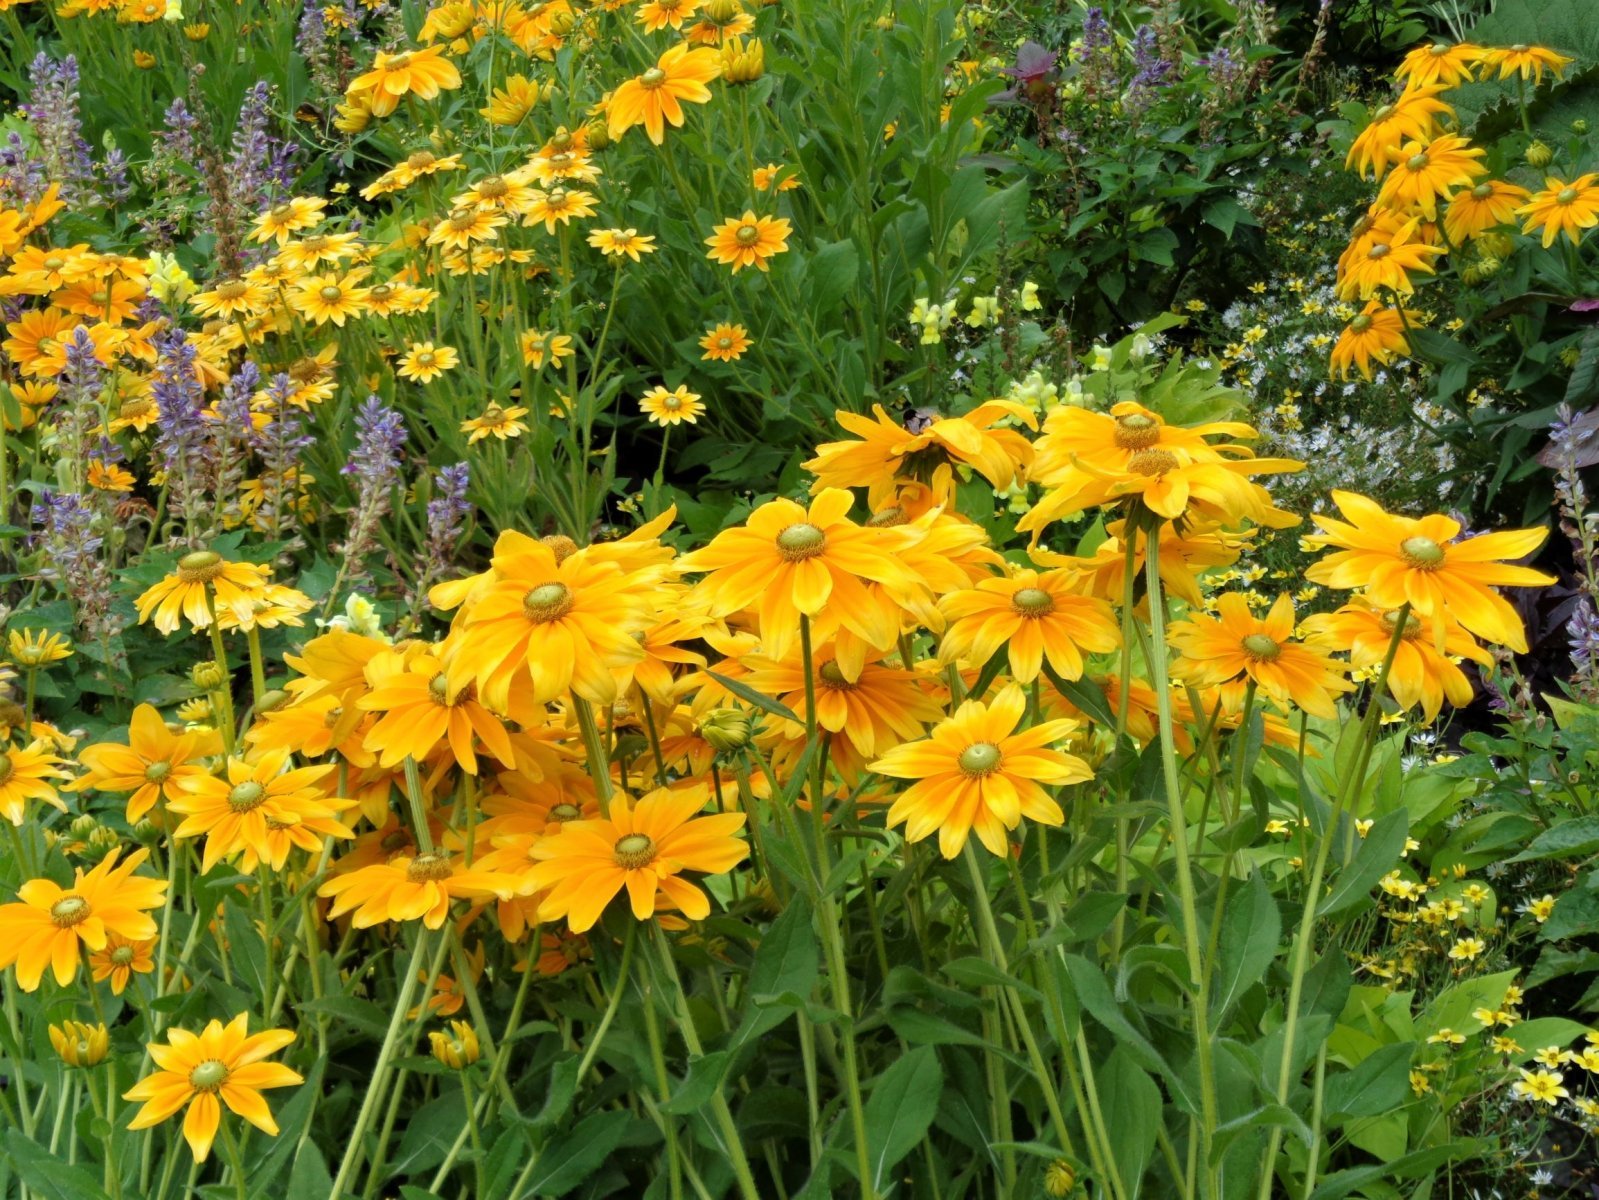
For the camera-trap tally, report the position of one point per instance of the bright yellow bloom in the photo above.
(1421, 674)
(1412, 117)
(119, 960)
(1427, 172)
(425, 362)
(1438, 63)
(331, 297)
(153, 765)
(1034, 617)
(539, 346)
(501, 423)
(201, 582)
(51, 924)
(1388, 264)
(656, 15)
(1375, 335)
(422, 73)
(511, 102)
(1487, 206)
(614, 243)
(33, 648)
(79, 1044)
(422, 709)
(26, 773)
(875, 711)
(1545, 1087)
(220, 1063)
(656, 98)
(259, 810)
(748, 241)
(1419, 561)
(725, 343)
(644, 848)
(1568, 208)
(407, 888)
(458, 1048)
(975, 773)
(772, 173)
(282, 221)
(1236, 645)
(1529, 62)
(673, 407)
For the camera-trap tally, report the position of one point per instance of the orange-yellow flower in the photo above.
(975, 773)
(421, 709)
(1568, 208)
(201, 582)
(119, 960)
(645, 848)
(1488, 205)
(1529, 62)
(1440, 63)
(1420, 674)
(26, 773)
(1236, 645)
(152, 766)
(1414, 116)
(407, 888)
(1376, 335)
(725, 343)
(1033, 617)
(220, 1063)
(881, 707)
(748, 241)
(259, 810)
(1427, 172)
(1425, 563)
(422, 73)
(51, 924)
(656, 97)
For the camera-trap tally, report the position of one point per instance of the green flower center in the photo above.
(70, 910)
(1483, 190)
(653, 78)
(1261, 648)
(1032, 602)
(1390, 620)
(564, 812)
(1422, 553)
(246, 796)
(1416, 162)
(801, 541)
(208, 1076)
(5, 764)
(1380, 250)
(157, 771)
(832, 677)
(1566, 195)
(547, 602)
(1361, 323)
(330, 293)
(439, 689)
(200, 567)
(979, 759)
(634, 851)
(747, 235)
(122, 956)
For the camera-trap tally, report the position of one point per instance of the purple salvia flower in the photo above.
(259, 163)
(114, 170)
(178, 136)
(447, 512)
(52, 112)
(64, 537)
(231, 436)
(181, 441)
(279, 445)
(375, 462)
(1151, 70)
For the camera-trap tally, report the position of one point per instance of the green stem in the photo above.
(594, 748)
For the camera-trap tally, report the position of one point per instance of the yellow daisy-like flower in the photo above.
(1529, 62)
(559, 206)
(656, 98)
(1033, 616)
(331, 297)
(200, 582)
(671, 407)
(539, 347)
(1426, 173)
(407, 888)
(656, 15)
(1376, 335)
(1569, 208)
(614, 243)
(772, 174)
(975, 773)
(222, 1064)
(748, 241)
(1439, 63)
(497, 422)
(465, 225)
(511, 102)
(1388, 264)
(37, 647)
(282, 221)
(1414, 116)
(26, 773)
(1489, 205)
(154, 765)
(422, 73)
(120, 960)
(425, 362)
(249, 811)
(725, 343)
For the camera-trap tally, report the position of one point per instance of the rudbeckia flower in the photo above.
(1568, 208)
(748, 241)
(220, 1063)
(119, 960)
(1033, 616)
(422, 73)
(656, 97)
(667, 408)
(975, 773)
(201, 581)
(410, 888)
(282, 221)
(1529, 62)
(1486, 206)
(1414, 116)
(496, 422)
(1387, 263)
(1420, 673)
(881, 707)
(25, 774)
(644, 848)
(422, 709)
(1427, 172)
(425, 362)
(153, 765)
(1236, 645)
(725, 343)
(1374, 335)
(1424, 562)
(51, 924)
(259, 810)
(1441, 64)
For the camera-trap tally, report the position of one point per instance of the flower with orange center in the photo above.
(1568, 208)
(1420, 674)
(119, 960)
(1376, 335)
(1237, 645)
(877, 710)
(419, 73)
(1033, 616)
(222, 1064)
(559, 624)
(796, 563)
(644, 848)
(725, 343)
(410, 888)
(975, 773)
(201, 584)
(421, 709)
(1438, 63)
(240, 813)
(26, 773)
(656, 98)
(48, 929)
(153, 765)
(1487, 206)
(1424, 562)
(1427, 172)
(748, 241)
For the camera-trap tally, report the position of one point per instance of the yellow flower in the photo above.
(1414, 116)
(512, 101)
(282, 221)
(458, 1048)
(331, 297)
(422, 73)
(1236, 645)
(221, 1063)
(79, 1044)
(1440, 63)
(1544, 1087)
(1375, 335)
(725, 343)
(671, 407)
(1426, 173)
(202, 581)
(1529, 62)
(1467, 948)
(501, 423)
(539, 347)
(425, 362)
(773, 174)
(614, 243)
(33, 648)
(1568, 208)
(656, 98)
(748, 241)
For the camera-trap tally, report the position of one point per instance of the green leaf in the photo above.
(1406, 1166)
(571, 1158)
(704, 1077)
(1577, 838)
(973, 972)
(765, 703)
(46, 1175)
(1584, 381)
(1378, 854)
(900, 1110)
(1132, 1106)
(362, 1014)
(1084, 695)
(309, 1178)
(1574, 914)
(1249, 941)
(1090, 989)
(786, 963)
(1265, 1116)
(1379, 1083)
(833, 270)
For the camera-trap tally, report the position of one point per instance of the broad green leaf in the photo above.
(1133, 1109)
(1378, 1083)
(703, 1079)
(47, 1175)
(765, 703)
(1249, 941)
(900, 1110)
(1378, 854)
(309, 1178)
(1576, 838)
(571, 1158)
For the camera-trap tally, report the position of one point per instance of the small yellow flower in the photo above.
(34, 648)
(614, 243)
(671, 407)
(79, 1044)
(1467, 948)
(1546, 1087)
(1446, 1037)
(458, 1048)
(425, 362)
(501, 423)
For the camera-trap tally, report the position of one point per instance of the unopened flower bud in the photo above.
(84, 826)
(146, 831)
(599, 135)
(104, 839)
(726, 729)
(1579, 127)
(80, 1044)
(208, 675)
(743, 62)
(458, 1048)
(1539, 155)
(722, 12)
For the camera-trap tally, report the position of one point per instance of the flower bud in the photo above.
(80, 1044)
(599, 135)
(726, 729)
(104, 840)
(147, 832)
(208, 675)
(1579, 127)
(458, 1048)
(1539, 155)
(84, 826)
(743, 62)
(722, 12)
(1488, 267)
(1060, 1179)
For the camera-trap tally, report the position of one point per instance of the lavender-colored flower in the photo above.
(1582, 631)
(114, 171)
(181, 439)
(1151, 70)
(23, 177)
(178, 138)
(375, 462)
(52, 113)
(259, 164)
(1096, 35)
(64, 537)
(447, 511)
(279, 445)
